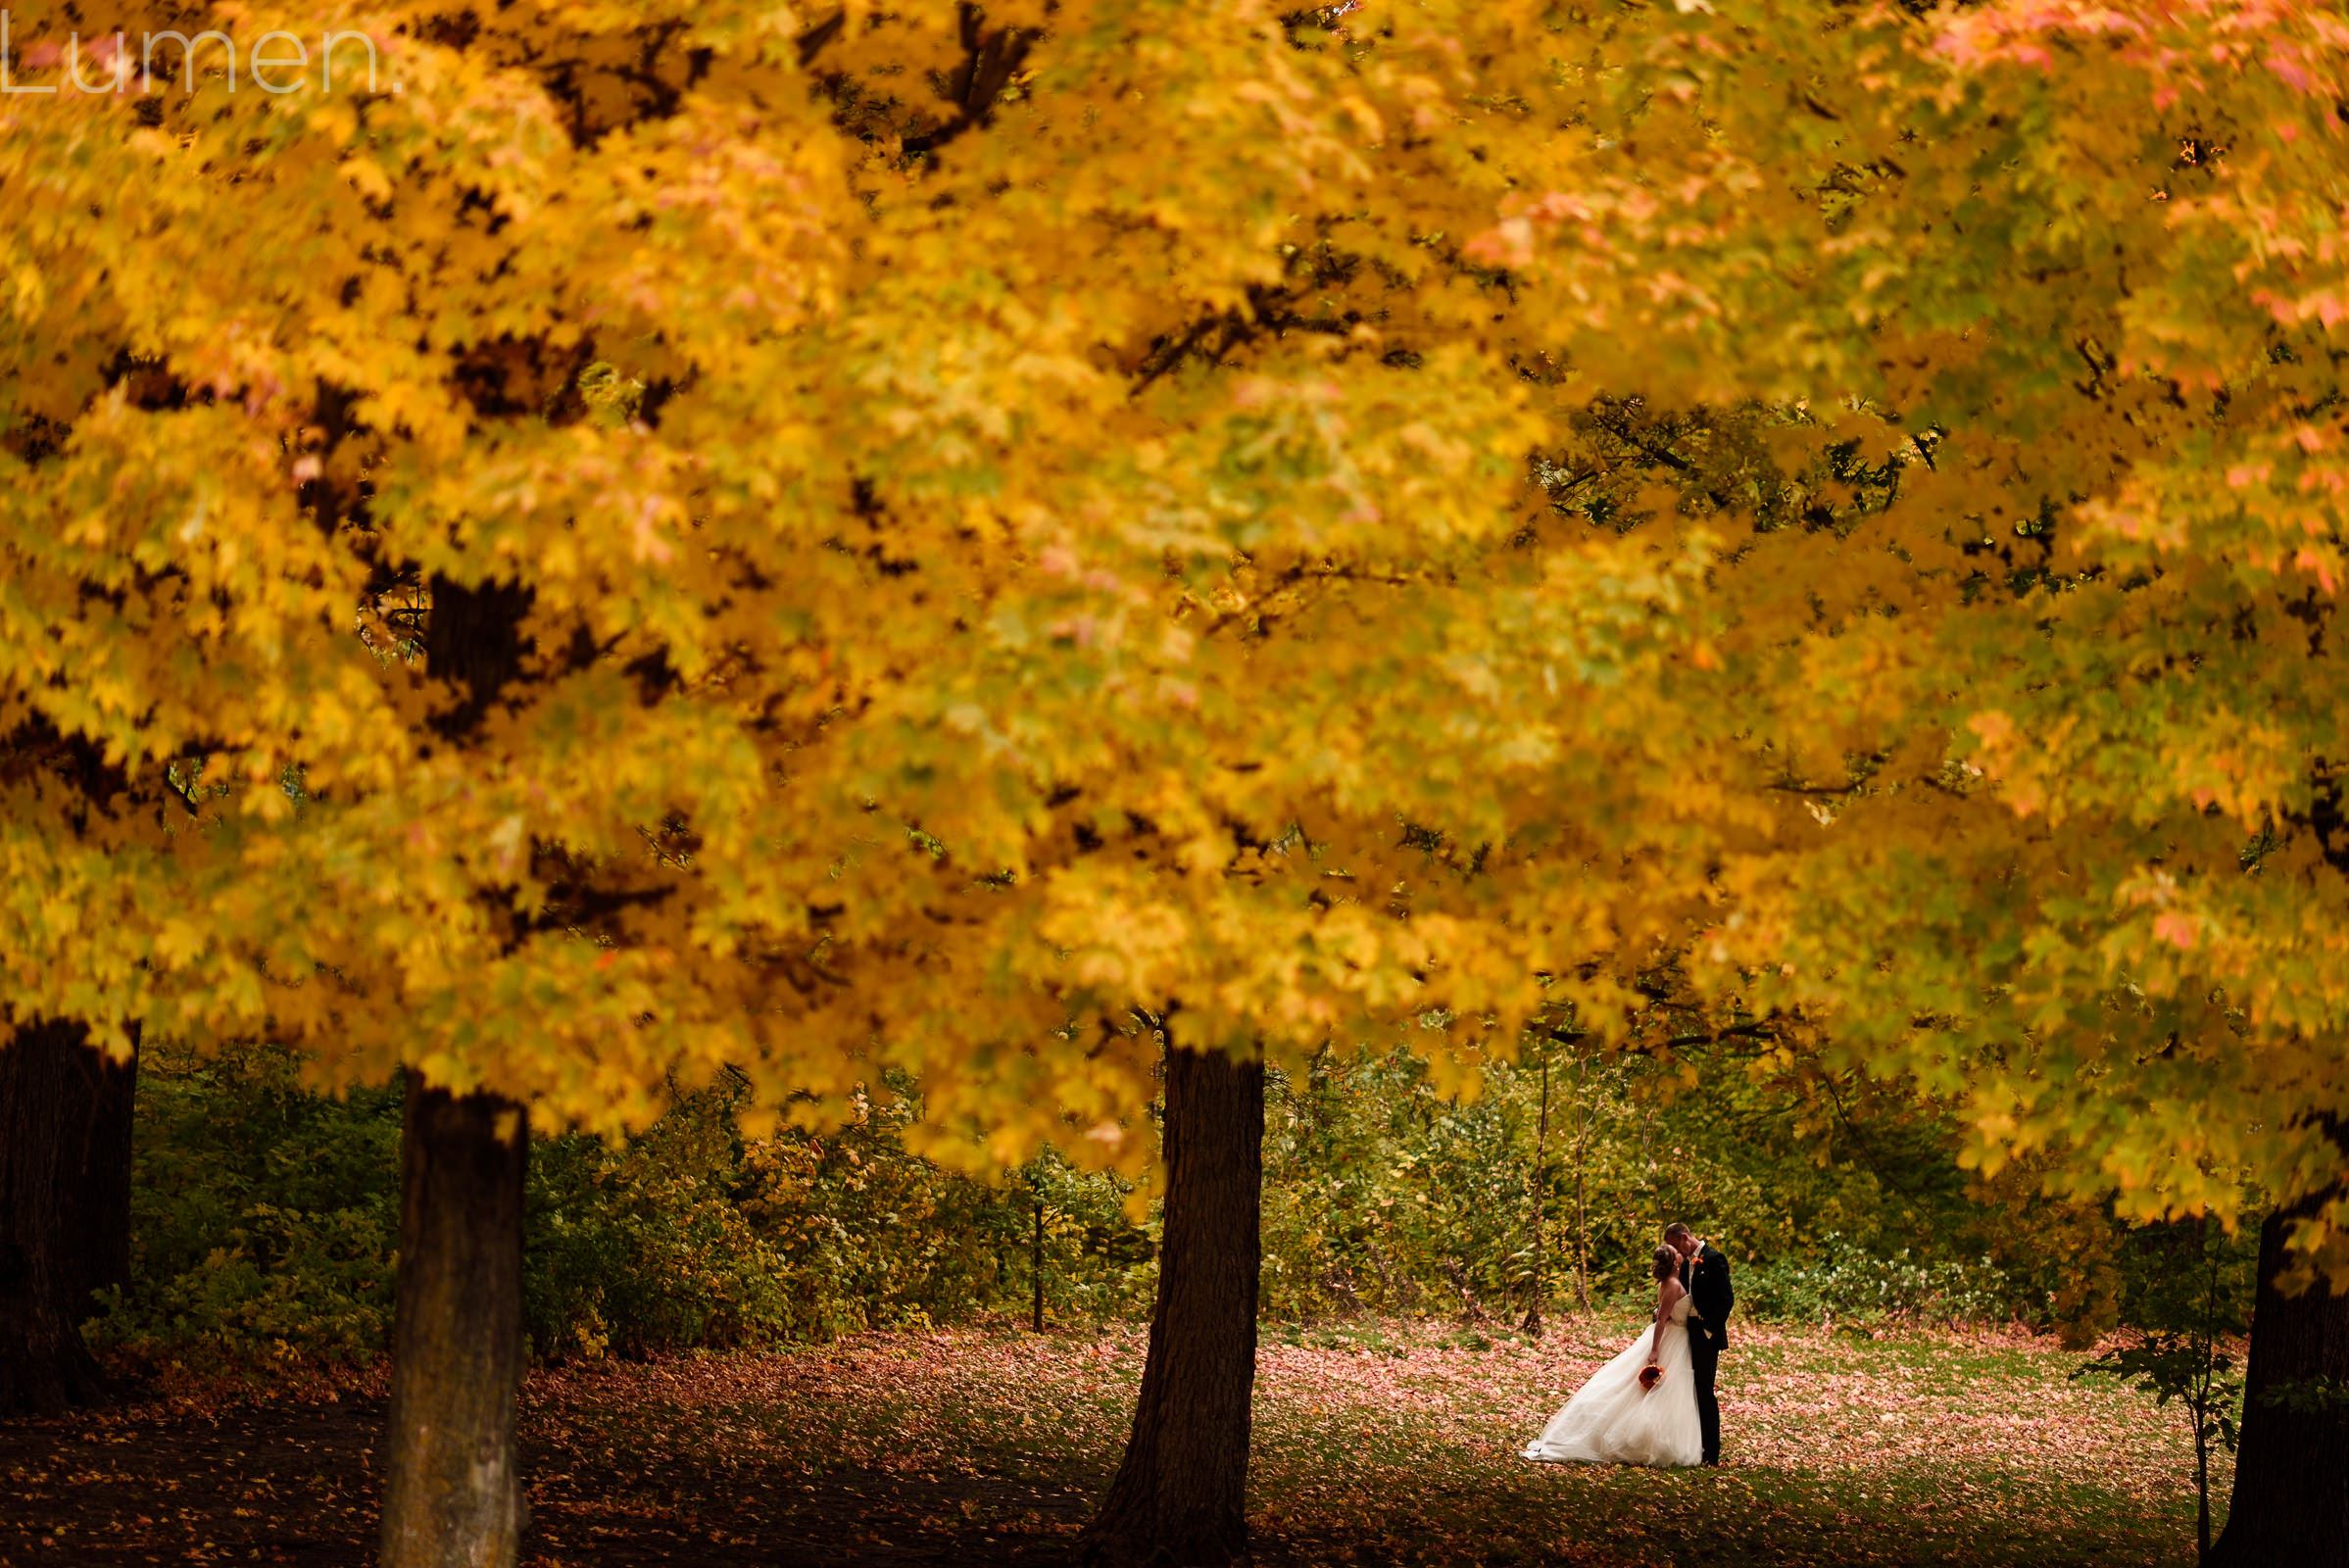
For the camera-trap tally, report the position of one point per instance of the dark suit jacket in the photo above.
(1710, 1298)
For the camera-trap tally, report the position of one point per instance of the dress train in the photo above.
(1612, 1420)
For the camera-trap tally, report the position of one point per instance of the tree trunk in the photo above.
(452, 1495)
(64, 1208)
(1532, 1304)
(1582, 1208)
(1181, 1495)
(2291, 1478)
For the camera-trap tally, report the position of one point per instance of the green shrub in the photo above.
(1382, 1194)
(266, 1219)
(1848, 1283)
(691, 1235)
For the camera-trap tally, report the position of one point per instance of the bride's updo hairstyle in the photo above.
(1668, 1263)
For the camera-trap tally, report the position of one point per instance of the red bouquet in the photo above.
(1649, 1376)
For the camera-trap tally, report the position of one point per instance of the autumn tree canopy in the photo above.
(967, 564)
(1000, 518)
(2059, 706)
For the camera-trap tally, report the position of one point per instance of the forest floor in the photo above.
(1376, 1444)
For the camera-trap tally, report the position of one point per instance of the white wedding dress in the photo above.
(1614, 1421)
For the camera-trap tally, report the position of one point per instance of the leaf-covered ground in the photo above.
(1390, 1443)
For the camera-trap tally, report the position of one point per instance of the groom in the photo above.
(1704, 1275)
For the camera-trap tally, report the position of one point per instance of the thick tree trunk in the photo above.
(64, 1208)
(452, 1495)
(452, 1492)
(1179, 1498)
(2291, 1478)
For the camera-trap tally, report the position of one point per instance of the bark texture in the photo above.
(64, 1208)
(452, 1495)
(1180, 1497)
(2291, 1478)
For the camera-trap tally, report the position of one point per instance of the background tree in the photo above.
(2185, 1354)
(64, 1208)
(756, 644)
(2063, 712)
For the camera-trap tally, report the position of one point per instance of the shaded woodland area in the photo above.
(820, 1347)
(265, 1219)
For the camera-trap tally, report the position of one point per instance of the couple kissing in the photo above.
(1654, 1405)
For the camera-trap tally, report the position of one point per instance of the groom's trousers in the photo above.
(1704, 1356)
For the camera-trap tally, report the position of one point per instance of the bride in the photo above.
(1614, 1419)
